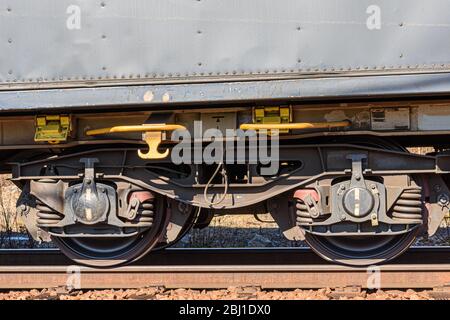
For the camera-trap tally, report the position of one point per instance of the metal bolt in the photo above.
(342, 187)
(358, 177)
(373, 186)
(437, 188)
(443, 199)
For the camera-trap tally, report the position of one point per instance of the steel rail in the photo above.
(287, 268)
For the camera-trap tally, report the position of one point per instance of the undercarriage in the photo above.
(108, 190)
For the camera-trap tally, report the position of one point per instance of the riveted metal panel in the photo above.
(116, 41)
(161, 96)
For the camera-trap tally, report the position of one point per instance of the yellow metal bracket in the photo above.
(152, 135)
(153, 139)
(272, 115)
(280, 118)
(52, 128)
(296, 125)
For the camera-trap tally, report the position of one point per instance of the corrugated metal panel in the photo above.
(143, 40)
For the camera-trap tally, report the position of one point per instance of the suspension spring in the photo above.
(303, 216)
(46, 216)
(409, 205)
(145, 213)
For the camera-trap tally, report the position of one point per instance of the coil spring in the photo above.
(145, 213)
(303, 216)
(409, 205)
(45, 215)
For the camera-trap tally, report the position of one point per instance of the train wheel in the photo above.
(110, 251)
(360, 251)
(363, 250)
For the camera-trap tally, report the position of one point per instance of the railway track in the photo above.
(420, 267)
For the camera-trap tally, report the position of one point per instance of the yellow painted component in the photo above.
(374, 220)
(153, 139)
(135, 128)
(296, 125)
(272, 115)
(152, 135)
(52, 128)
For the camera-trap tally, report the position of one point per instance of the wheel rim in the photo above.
(360, 251)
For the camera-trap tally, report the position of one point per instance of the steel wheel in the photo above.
(361, 251)
(113, 251)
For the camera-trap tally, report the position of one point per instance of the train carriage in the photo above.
(126, 123)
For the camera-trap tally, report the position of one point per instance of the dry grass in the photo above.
(8, 197)
(10, 224)
(421, 150)
(237, 231)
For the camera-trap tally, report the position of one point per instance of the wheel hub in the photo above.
(358, 202)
